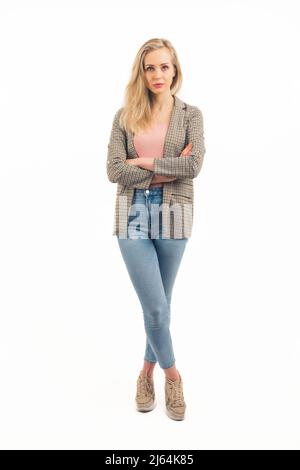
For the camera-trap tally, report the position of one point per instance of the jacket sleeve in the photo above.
(117, 170)
(186, 167)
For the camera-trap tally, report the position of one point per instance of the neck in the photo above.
(163, 102)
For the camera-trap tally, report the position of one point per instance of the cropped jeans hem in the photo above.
(149, 360)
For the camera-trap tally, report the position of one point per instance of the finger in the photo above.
(188, 148)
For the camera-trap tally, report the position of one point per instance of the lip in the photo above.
(158, 85)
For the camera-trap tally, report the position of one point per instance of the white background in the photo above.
(71, 331)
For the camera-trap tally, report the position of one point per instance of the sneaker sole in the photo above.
(175, 417)
(146, 408)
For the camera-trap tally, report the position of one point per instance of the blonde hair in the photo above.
(136, 112)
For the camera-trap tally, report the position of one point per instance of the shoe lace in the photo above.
(176, 394)
(144, 386)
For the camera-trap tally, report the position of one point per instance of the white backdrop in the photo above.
(71, 328)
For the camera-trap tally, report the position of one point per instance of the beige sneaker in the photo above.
(175, 404)
(145, 395)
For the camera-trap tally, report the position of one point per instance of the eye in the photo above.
(149, 68)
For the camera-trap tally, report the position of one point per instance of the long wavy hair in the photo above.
(138, 100)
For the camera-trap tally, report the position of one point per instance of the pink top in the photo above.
(151, 143)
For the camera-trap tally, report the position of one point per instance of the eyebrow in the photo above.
(164, 63)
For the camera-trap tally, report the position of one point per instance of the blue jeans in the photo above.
(152, 264)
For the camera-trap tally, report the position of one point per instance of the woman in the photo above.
(155, 151)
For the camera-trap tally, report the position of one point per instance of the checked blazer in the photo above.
(185, 126)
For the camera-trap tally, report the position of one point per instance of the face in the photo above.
(158, 68)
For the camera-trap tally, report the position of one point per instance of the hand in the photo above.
(142, 162)
(186, 151)
(147, 163)
(131, 161)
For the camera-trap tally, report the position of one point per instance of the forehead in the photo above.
(157, 57)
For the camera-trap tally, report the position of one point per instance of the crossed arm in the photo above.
(149, 164)
(141, 172)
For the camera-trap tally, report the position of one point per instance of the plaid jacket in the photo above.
(186, 125)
